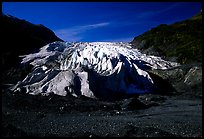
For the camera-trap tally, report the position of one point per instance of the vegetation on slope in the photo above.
(181, 41)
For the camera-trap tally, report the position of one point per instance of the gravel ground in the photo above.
(145, 116)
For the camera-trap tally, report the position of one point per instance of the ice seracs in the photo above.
(92, 69)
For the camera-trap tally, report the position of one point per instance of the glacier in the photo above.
(92, 69)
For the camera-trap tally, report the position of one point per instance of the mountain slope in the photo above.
(21, 37)
(180, 42)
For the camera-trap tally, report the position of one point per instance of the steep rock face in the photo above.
(20, 37)
(97, 70)
(180, 42)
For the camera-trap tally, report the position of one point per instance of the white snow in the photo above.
(92, 69)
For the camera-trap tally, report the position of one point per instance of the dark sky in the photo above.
(101, 21)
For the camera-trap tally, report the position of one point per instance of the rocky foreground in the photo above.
(146, 116)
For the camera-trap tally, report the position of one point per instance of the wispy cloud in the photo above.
(78, 33)
(74, 33)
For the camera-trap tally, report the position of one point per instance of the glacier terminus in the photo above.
(92, 69)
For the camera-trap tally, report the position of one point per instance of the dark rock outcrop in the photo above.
(185, 79)
(20, 37)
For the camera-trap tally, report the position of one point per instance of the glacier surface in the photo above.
(91, 69)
